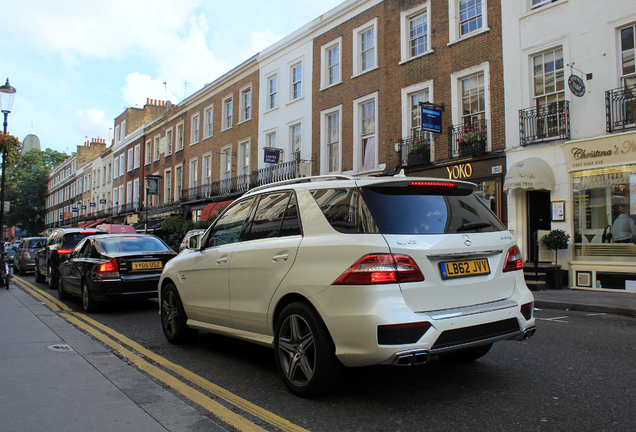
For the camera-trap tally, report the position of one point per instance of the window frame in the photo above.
(130, 160)
(148, 152)
(208, 118)
(456, 96)
(137, 158)
(156, 148)
(180, 137)
(169, 141)
(292, 90)
(324, 133)
(358, 135)
(228, 115)
(454, 22)
(325, 67)
(245, 110)
(405, 31)
(195, 128)
(272, 95)
(358, 34)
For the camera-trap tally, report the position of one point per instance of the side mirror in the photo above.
(193, 243)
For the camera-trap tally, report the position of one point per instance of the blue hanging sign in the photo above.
(92, 204)
(74, 209)
(102, 201)
(431, 119)
(83, 207)
(272, 155)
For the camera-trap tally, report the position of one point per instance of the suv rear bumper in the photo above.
(353, 324)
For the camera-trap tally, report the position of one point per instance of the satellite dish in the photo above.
(168, 104)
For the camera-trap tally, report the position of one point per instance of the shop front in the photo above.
(487, 174)
(603, 187)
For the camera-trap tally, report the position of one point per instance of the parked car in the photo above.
(112, 267)
(24, 259)
(10, 255)
(339, 271)
(56, 250)
(196, 233)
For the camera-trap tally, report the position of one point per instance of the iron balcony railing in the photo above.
(544, 123)
(469, 138)
(223, 188)
(620, 109)
(415, 149)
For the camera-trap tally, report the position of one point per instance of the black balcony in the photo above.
(620, 109)
(544, 123)
(415, 149)
(231, 187)
(469, 139)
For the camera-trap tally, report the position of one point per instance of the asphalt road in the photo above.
(576, 374)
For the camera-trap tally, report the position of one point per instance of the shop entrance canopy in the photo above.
(531, 173)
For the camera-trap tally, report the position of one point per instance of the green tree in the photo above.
(25, 189)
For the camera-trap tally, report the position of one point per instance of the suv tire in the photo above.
(305, 353)
(173, 317)
(52, 280)
(38, 276)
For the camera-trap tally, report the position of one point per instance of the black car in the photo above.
(24, 259)
(112, 267)
(58, 246)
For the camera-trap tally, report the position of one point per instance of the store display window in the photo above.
(604, 211)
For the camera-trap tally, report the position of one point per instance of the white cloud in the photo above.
(140, 87)
(262, 39)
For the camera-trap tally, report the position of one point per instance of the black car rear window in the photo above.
(132, 243)
(400, 210)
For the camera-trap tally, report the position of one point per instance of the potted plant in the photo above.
(556, 240)
(473, 141)
(419, 151)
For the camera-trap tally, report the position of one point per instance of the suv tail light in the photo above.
(108, 269)
(374, 269)
(26, 255)
(513, 259)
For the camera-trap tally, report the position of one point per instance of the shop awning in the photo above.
(94, 223)
(147, 227)
(531, 173)
(209, 209)
(83, 224)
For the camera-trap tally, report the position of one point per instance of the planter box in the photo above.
(475, 147)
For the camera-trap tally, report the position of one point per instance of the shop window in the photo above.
(600, 198)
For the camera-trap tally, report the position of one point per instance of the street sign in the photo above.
(74, 209)
(102, 201)
(92, 204)
(152, 184)
(7, 205)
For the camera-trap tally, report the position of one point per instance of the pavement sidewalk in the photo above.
(55, 378)
(618, 303)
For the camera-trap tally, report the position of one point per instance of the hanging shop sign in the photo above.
(577, 86)
(74, 209)
(272, 155)
(431, 117)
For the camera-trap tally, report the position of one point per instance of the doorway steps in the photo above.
(536, 281)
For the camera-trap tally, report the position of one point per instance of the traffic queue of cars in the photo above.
(329, 271)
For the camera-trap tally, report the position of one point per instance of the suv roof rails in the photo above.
(328, 177)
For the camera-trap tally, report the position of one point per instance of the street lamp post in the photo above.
(7, 93)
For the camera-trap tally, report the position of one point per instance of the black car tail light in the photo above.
(64, 251)
(375, 269)
(527, 309)
(108, 270)
(513, 259)
(398, 334)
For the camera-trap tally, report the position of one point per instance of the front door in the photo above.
(538, 219)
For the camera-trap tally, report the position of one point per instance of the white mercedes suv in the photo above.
(337, 271)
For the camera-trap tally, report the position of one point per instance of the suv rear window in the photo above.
(345, 210)
(399, 210)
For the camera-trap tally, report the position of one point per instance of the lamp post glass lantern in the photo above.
(7, 94)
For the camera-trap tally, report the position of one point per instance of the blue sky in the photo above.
(77, 64)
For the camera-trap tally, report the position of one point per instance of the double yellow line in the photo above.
(140, 356)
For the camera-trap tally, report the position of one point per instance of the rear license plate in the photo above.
(146, 265)
(457, 269)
